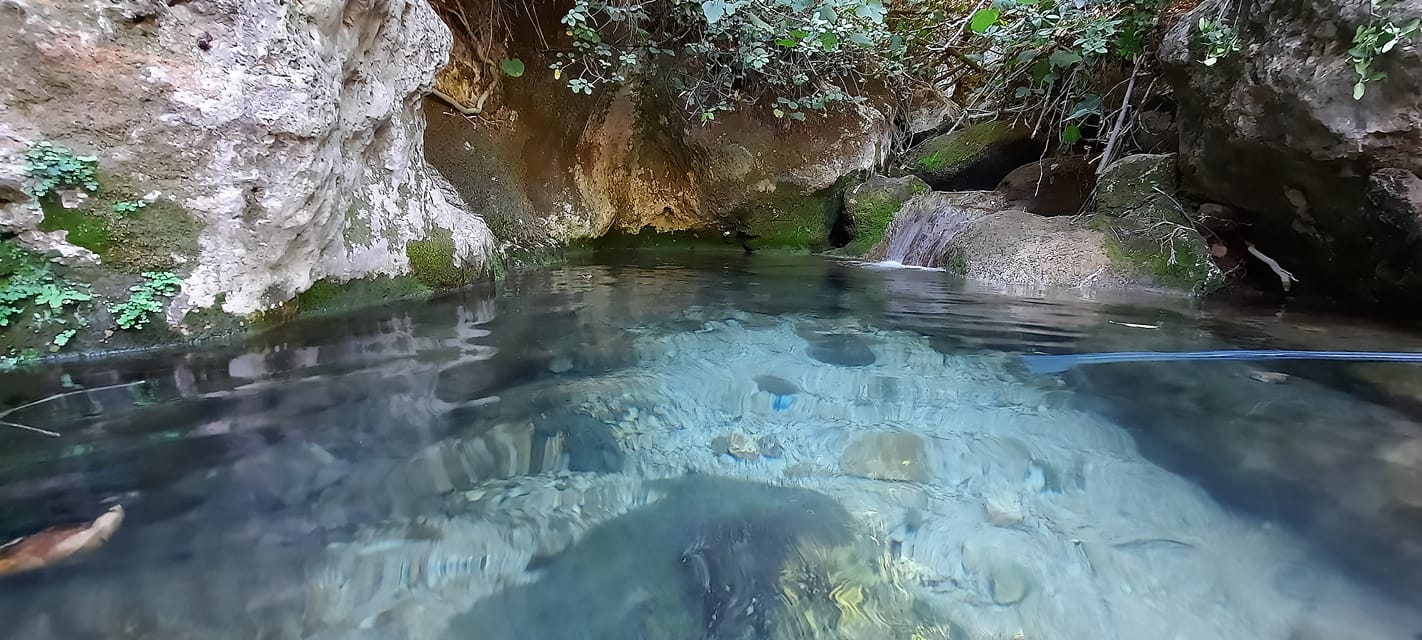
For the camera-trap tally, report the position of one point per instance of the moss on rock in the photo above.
(1171, 256)
(790, 219)
(974, 157)
(870, 206)
(83, 228)
(151, 238)
(433, 262)
(1136, 183)
(325, 296)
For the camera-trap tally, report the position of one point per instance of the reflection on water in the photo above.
(731, 448)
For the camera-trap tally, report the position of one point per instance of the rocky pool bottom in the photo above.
(728, 448)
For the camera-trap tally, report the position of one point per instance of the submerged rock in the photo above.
(776, 385)
(714, 559)
(1010, 583)
(770, 446)
(742, 447)
(841, 349)
(886, 456)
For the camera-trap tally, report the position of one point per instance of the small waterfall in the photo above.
(922, 229)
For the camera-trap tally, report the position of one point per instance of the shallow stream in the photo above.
(729, 448)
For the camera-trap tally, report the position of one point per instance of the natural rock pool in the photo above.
(728, 447)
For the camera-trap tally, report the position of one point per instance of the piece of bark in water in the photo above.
(58, 543)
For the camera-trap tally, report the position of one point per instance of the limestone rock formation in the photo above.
(1138, 239)
(870, 206)
(1051, 186)
(974, 157)
(1327, 184)
(283, 141)
(568, 168)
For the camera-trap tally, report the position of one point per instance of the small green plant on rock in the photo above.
(799, 56)
(125, 207)
(1215, 40)
(28, 285)
(145, 299)
(1043, 60)
(1372, 40)
(53, 167)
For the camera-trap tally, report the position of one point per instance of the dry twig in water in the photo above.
(6, 413)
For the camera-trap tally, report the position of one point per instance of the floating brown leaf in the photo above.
(57, 543)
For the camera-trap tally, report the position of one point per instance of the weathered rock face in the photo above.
(974, 157)
(1050, 187)
(1139, 238)
(286, 138)
(573, 167)
(1024, 252)
(869, 208)
(1327, 184)
(923, 227)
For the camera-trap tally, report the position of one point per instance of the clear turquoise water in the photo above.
(729, 447)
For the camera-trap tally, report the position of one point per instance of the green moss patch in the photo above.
(870, 207)
(84, 228)
(960, 148)
(326, 296)
(432, 261)
(975, 157)
(1190, 268)
(147, 239)
(788, 219)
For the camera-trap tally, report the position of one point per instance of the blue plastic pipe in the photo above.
(1061, 363)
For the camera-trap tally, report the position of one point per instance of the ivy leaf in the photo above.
(1071, 134)
(871, 10)
(896, 44)
(1387, 42)
(787, 43)
(1060, 58)
(829, 41)
(1358, 90)
(715, 10)
(983, 18)
(513, 67)
(1087, 106)
(860, 39)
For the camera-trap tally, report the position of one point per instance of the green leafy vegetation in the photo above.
(1373, 40)
(1215, 41)
(800, 56)
(145, 299)
(54, 167)
(512, 67)
(125, 207)
(30, 292)
(1054, 62)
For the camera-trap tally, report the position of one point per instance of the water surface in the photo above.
(729, 447)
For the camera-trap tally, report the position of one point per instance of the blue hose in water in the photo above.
(1061, 363)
